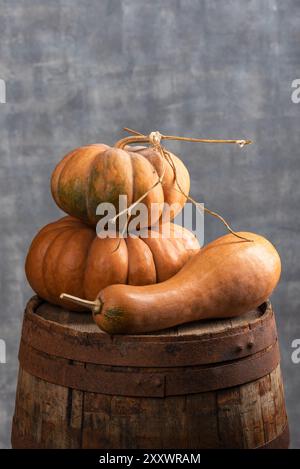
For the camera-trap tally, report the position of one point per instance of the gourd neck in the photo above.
(95, 306)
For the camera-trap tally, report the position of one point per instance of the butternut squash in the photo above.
(226, 278)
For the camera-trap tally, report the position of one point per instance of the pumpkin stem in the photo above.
(95, 306)
(140, 138)
(131, 131)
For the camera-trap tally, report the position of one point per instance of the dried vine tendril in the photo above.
(154, 139)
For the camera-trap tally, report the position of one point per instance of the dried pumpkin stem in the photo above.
(140, 138)
(95, 306)
(131, 131)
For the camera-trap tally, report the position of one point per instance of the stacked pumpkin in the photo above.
(68, 256)
(141, 284)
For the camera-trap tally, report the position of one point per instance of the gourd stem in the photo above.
(95, 306)
(138, 138)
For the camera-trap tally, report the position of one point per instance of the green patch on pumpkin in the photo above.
(110, 194)
(72, 198)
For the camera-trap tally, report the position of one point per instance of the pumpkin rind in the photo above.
(67, 255)
(96, 173)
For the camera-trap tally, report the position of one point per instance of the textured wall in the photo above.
(77, 72)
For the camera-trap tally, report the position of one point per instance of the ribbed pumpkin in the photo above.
(97, 173)
(68, 256)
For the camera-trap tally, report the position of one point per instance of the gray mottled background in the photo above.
(78, 71)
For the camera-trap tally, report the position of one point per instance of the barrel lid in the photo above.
(55, 331)
(83, 323)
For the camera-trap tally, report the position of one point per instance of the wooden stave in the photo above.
(282, 441)
(36, 425)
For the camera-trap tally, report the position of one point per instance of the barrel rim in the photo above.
(34, 302)
(99, 348)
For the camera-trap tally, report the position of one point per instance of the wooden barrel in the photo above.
(212, 384)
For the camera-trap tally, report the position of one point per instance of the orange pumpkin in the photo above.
(96, 174)
(67, 255)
